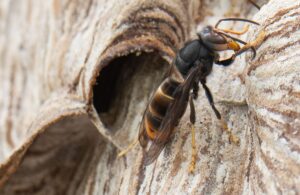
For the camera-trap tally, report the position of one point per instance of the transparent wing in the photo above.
(143, 139)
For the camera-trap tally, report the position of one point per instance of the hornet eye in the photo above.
(214, 40)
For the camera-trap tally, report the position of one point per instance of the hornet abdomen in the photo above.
(158, 106)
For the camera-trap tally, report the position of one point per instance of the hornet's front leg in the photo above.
(251, 45)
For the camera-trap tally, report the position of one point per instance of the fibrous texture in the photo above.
(76, 77)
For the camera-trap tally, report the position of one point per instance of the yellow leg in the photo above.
(245, 29)
(260, 38)
(125, 151)
(232, 137)
(194, 153)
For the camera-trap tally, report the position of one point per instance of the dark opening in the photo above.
(105, 89)
(123, 84)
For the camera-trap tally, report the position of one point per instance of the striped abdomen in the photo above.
(158, 106)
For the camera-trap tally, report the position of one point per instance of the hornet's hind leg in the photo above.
(192, 120)
(193, 96)
(232, 137)
(129, 147)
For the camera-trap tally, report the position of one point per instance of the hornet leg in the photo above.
(226, 62)
(251, 45)
(192, 120)
(129, 147)
(232, 137)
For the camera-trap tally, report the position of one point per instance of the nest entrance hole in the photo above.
(124, 86)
